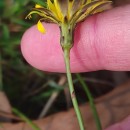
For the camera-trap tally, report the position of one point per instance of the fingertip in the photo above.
(100, 42)
(45, 53)
(41, 50)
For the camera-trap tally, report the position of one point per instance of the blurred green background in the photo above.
(25, 86)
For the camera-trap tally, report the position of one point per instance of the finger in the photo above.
(100, 42)
(125, 125)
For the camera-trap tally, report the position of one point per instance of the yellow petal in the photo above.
(92, 8)
(28, 16)
(101, 6)
(58, 10)
(38, 6)
(52, 7)
(40, 27)
(33, 12)
(70, 8)
(89, 1)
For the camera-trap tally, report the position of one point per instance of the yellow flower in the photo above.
(67, 13)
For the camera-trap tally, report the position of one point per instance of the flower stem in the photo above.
(91, 101)
(71, 87)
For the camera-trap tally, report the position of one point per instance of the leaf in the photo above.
(24, 118)
(6, 33)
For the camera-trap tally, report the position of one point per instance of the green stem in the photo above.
(24, 118)
(1, 83)
(71, 87)
(91, 101)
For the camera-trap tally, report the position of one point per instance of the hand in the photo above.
(101, 42)
(124, 125)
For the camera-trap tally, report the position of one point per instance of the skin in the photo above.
(102, 42)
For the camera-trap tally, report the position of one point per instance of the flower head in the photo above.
(67, 13)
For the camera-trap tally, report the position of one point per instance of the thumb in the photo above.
(124, 125)
(100, 42)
